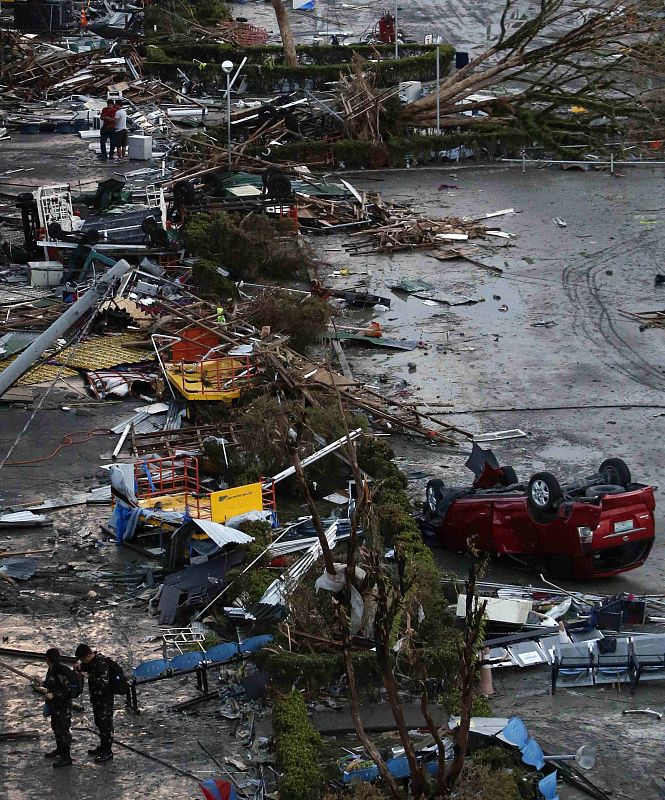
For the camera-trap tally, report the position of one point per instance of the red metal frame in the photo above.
(168, 475)
(269, 499)
(172, 475)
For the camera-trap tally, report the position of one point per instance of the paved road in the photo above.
(577, 277)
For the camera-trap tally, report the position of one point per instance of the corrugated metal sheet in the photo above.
(104, 352)
(23, 519)
(276, 593)
(15, 342)
(222, 534)
(19, 568)
(9, 295)
(174, 416)
(313, 188)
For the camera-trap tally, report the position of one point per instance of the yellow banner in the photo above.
(237, 500)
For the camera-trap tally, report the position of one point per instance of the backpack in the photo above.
(117, 680)
(74, 682)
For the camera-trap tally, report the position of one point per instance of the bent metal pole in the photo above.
(74, 313)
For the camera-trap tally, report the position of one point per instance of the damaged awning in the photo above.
(222, 534)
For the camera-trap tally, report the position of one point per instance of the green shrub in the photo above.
(452, 699)
(297, 746)
(210, 281)
(480, 782)
(314, 670)
(253, 583)
(304, 320)
(210, 12)
(253, 247)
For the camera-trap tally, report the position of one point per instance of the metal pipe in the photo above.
(235, 77)
(438, 89)
(525, 160)
(249, 566)
(228, 116)
(74, 313)
(286, 473)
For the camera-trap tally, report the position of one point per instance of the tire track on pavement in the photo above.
(594, 319)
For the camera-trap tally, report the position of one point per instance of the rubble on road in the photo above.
(196, 472)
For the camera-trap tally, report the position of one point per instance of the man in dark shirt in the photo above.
(107, 133)
(58, 698)
(101, 697)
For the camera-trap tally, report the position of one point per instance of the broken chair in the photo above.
(612, 660)
(648, 658)
(573, 665)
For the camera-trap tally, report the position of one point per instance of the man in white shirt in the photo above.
(120, 138)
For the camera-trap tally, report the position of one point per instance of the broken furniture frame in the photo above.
(193, 662)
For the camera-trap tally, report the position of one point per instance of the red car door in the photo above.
(468, 517)
(512, 527)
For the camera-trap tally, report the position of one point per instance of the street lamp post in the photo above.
(438, 90)
(227, 69)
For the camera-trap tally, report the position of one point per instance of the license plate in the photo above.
(622, 527)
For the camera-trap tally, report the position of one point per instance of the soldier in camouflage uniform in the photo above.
(58, 698)
(101, 697)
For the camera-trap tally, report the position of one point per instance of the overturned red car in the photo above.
(599, 526)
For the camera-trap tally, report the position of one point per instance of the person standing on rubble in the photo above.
(101, 697)
(120, 135)
(107, 133)
(59, 703)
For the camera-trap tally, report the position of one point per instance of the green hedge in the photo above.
(183, 48)
(315, 670)
(298, 747)
(395, 150)
(269, 75)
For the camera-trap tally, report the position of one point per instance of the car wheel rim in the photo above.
(611, 476)
(540, 493)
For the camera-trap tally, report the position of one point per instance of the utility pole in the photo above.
(82, 306)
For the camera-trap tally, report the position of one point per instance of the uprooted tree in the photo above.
(566, 74)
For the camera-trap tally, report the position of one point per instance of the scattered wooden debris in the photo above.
(647, 319)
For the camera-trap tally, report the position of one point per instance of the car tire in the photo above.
(615, 472)
(434, 494)
(268, 172)
(543, 492)
(278, 187)
(603, 488)
(508, 476)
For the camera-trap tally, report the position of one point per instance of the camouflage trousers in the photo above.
(61, 722)
(102, 709)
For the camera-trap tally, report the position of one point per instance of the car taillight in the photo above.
(585, 534)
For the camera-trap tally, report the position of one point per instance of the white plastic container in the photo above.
(45, 273)
(499, 609)
(139, 148)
